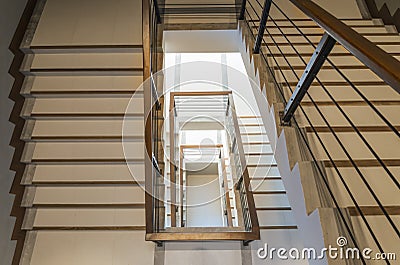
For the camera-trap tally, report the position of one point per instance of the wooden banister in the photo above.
(380, 62)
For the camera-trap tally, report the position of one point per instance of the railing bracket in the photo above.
(246, 242)
(322, 51)
(281, 121)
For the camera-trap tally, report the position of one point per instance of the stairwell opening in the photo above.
(205, 182)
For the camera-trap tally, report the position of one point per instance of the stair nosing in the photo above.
(88, 205)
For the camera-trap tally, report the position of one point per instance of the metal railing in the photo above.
(240, 166)
(280, 68)
(154, 184)
(155, 166)
(220, 105)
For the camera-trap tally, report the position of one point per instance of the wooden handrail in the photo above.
(199, 146)
(200, 93)
(245, 174)
(380, 62)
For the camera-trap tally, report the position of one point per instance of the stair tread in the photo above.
(83, 129)
(82, 151)
(81, 107)
(374, 210)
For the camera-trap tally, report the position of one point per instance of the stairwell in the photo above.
(81, 203)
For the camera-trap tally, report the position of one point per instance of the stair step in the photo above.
(81, 218)
(90, 228)
(87, 173)
(346, 93)
(81, 85)
(260, 160)
(311, 24)
(362, 163)
(331, 75)
(278, 227)
(81, 107)
(194, 21)
(281, 208)
(83, 196)
(82, 151)
(356, 148)
(248, 129)
(66, 49)
(374, 210)
(83, 72)
(298, 39)
(382, 33)
(348, 129)
(271, 200)
(258, 185)
(87, 61)
(342, 60)
(341, 83)
(257, 148)
(269, 192)
(252, 139)
(307, 51)
(276, 218)
(376, 177)
(77, 246)
(334, 117)
(263, 171)
(244, 120)
(83, 129)
(382, 230)
(319, 30)
(306, 47)
(308, 21)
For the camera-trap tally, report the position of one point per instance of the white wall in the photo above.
(203, 194)
(208, 46)
(200, 41)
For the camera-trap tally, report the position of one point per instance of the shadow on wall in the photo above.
(17, 189)
(387, 10)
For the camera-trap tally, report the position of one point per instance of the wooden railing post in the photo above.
(149, 202)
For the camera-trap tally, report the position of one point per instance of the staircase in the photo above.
(277, 224)
(287, 46)
(82, 66)
(203, 15)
